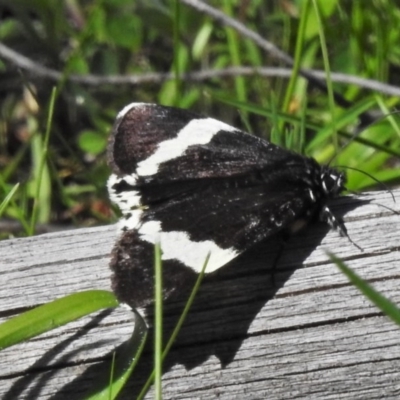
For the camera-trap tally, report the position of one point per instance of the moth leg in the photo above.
(326, 215)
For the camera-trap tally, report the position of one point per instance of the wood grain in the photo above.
(302, 332)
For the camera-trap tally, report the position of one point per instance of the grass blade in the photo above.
(158, 323)
(54, 314)
(126, 360)
(384, 304)
(177, 327)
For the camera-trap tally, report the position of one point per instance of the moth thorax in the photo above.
(332, 181)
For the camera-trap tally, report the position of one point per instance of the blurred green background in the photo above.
(101, 55)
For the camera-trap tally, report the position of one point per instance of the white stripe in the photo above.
(127, 108)
(176, 245)
(150, 231)
(311, 193)
(131, 222)
(130, 179)
(197, 131)
(127, 199)
(112, 180)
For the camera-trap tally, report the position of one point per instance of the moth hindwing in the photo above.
(199, 186)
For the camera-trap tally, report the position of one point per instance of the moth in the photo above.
(197, 186)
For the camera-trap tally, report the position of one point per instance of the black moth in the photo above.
(198, 185)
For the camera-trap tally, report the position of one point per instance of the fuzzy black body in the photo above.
(197, 185)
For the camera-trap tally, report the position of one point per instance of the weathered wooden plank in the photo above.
(311, 335)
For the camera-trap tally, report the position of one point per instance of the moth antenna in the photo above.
(388, 208)
(386, 187)
(342, 148)
(341, 227)
(354, 243)
(358, 131)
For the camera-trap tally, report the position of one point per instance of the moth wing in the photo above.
(152, 143)
(199, 222)
(199, 187)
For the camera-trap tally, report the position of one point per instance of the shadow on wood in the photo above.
(261, 334)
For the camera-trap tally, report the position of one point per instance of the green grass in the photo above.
(52, 315)
(387, 307)
(52, 141)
